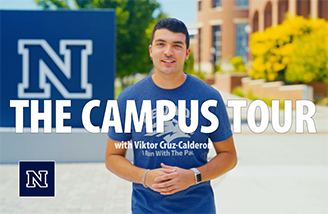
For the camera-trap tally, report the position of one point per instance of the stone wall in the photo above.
(272, 90)
(277, 90)
(227, 82)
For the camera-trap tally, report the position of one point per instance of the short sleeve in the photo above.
(112, 134)
(223, 132)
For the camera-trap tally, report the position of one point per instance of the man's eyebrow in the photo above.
(160, 40)
(178, 42)
(175, 42)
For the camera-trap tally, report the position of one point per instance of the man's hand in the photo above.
(175, 181)
(155, 173)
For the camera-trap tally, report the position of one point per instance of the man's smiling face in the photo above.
(168, 51)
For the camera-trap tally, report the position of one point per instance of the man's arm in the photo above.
(224, 161)
(117, 163)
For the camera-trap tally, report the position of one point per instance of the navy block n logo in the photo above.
(37, 178)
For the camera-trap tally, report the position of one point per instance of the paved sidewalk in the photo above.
(80, 188)
(276, 173)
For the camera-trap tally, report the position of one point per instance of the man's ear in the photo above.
(187, 54)
(150, 52)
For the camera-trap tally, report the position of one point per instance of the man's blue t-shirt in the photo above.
(172, 147)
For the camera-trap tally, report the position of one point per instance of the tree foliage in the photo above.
(238, 64)
(309, 60)
(134, 22)
(295, 50)
(189, 64)
(49, 4)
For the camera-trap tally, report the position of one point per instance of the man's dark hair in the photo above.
(173, 25)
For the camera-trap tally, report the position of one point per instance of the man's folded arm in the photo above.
(224, 161)
(117, 163)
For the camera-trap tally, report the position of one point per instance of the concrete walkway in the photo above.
(276, 173)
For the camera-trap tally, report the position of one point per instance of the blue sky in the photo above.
(185, 10)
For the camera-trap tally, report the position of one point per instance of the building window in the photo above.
(216, 44)
(282, 9)
(256, 22)
(216, 3)
(199, 5)
(268, 15)
(323, 12)
(241, 42)
(241, 3)
(199, 45)
(303, 8)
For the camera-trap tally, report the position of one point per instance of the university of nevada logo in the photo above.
(74, 75)
(45, 58)
(37, 178)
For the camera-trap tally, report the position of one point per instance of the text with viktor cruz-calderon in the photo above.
(162, 145)
(166, 110)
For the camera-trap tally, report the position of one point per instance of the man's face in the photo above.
(168, 51)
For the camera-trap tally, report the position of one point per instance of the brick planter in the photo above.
(320, 90)
(209, 81)
(227, 82)
(277, 90)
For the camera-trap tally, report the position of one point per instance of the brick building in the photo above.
(224, 25)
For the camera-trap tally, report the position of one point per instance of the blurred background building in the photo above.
(224, 25)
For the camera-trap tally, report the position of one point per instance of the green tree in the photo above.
(309, 59)
(294, 51)
(134, 21)
(189, 64)
(238, 64)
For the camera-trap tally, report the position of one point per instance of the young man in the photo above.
(170, 171)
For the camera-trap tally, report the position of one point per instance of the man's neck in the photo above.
(171, 81)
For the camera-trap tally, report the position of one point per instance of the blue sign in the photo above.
(37, 178)
(56, 55)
